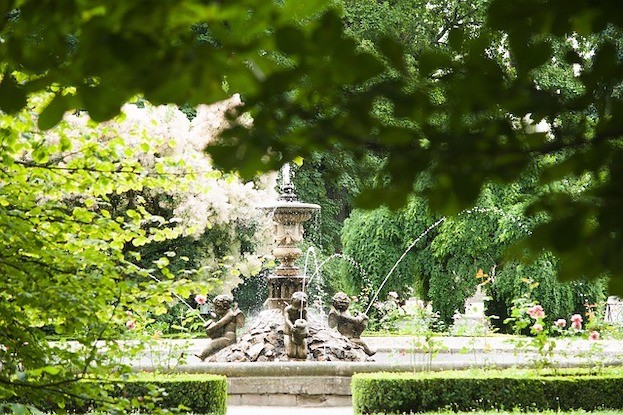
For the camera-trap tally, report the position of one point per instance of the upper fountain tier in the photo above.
(288, 216)
(288, 201)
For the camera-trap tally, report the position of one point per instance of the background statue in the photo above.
(347, 324)
(296, 329)
(222, 332)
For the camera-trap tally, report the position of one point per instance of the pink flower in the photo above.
(201, 299)
(576, 317)
(594, 335)
(576, 325)
(536, 312)
(561, 322)
(130, 324)
(537, 328)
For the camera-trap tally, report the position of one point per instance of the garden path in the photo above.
(289, 410)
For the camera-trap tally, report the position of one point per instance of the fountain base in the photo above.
(281, 287)
(264, 342)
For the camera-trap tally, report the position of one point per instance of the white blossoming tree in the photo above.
(80, 205)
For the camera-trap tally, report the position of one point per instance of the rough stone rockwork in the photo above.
(264, 342)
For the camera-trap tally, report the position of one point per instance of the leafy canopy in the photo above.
(85, 211)
(307, 86)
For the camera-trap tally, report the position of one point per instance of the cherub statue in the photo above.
(296, 329)
(223, 331)
(347, 324)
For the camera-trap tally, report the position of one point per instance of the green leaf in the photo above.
(393, 51)
(456, 37)
(19, 409)
(65, 143)
(41, 154)
(53, 112)
(301, 10)
(432, 60)
(290, 40)
(12, 95)
(52, 370)
(101, 103)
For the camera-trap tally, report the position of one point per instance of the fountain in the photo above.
(288, 216)
(285, 330)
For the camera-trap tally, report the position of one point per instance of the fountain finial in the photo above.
(285, 173)
(287, 187)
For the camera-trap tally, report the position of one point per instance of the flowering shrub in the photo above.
(576, 322)
(526, 314)
(201, 299)
(536, 312)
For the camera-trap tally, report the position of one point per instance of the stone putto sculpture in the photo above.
(348, 325)
(296, 328)
(222, 332)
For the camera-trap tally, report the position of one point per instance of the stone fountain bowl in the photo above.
(294, 206)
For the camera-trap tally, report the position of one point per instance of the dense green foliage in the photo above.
(472, 79)
(204, 394)
(480, 390)
(201, 394)
(71, 264)
(461, 104)
(333, 180)
(442, 264)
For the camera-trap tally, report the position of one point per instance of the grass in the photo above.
(578, 412)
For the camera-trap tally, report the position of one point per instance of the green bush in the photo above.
(201, 393)
(205, 394)
(484, 390)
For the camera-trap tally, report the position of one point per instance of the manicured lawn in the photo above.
(579, 412)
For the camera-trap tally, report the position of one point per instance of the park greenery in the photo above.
(105, 227)
(478, 390)
(501, 119)
(500, 221)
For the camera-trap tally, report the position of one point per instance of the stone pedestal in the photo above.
(614, 311)
(281, 288)
(288, 217)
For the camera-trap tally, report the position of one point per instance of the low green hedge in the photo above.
(199, 393)
(482, 390)
(204, 394)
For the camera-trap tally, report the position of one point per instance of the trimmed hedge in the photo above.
(483, 390)
(200, 393)
(204, 394)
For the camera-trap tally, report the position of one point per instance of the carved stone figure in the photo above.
(347, 324)
(222, 332)
(296, 328)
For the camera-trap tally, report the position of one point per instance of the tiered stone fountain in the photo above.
(264, 339)
(288, 217)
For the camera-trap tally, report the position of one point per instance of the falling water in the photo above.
(317, 267)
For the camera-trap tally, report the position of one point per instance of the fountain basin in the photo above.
(294, 206)
(314, 383)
